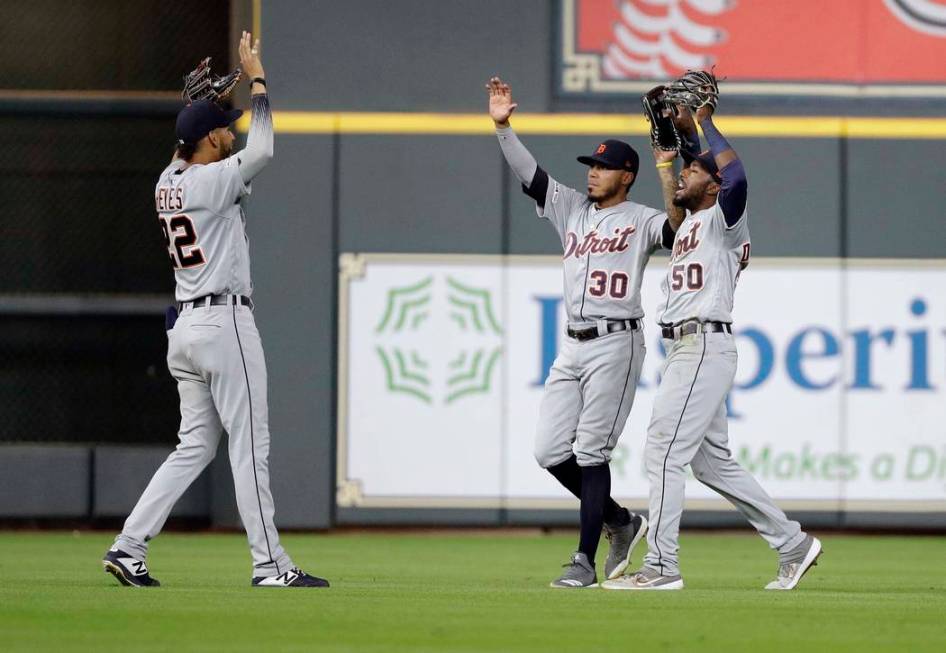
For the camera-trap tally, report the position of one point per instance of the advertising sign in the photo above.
(837, 403)
(844, 47)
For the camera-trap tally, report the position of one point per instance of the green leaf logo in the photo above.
(410, 312)
(406, 306)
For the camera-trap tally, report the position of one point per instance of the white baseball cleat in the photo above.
(790, 574)
(645, 578)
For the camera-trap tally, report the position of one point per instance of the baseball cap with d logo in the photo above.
(616, 155)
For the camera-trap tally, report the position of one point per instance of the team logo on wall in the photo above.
(421, 368)
(404, 340)
(927, 16)
(852, 48)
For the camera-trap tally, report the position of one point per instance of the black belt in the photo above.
(693, 327)
(613, 326)
(215, 300)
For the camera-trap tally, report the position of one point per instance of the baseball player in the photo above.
(606, 241)
(214, 349)
(688, 426)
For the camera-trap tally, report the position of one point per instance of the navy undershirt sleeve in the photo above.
(733, 192)
(538, 188)
(669, 235)
(735, 187)
(688, 145)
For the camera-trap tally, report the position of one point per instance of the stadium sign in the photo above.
(837, 403)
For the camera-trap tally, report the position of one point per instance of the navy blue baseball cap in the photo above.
(199, 118)
(616, 155)
(706, 160)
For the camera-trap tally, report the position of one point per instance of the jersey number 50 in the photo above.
(181, 241)
(690, 275)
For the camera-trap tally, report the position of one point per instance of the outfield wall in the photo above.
(430, 180)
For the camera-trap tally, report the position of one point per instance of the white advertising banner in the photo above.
(837, 403)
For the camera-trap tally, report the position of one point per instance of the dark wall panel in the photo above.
(79, 210)
(289, 223)
(140, 45)
(794, 204)
(895, 192)
(411, 55)
(37, 481)
(420, 194)
(88, 379)
(120, 475)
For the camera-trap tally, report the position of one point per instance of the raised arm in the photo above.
(668, 186)
(259, 141)
(686, 127)
(734, 190)
(534, 180)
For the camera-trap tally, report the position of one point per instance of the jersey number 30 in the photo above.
(181, 241)
(600, 285)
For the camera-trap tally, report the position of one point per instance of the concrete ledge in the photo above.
(44, 481)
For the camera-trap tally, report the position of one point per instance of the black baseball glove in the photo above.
(697, 88)
(663, 133)
(201, 84)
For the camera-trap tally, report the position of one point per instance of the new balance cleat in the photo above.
(789, 574)
(128, 570)
(645, 578)
(295, 577)
(622, 540)
(578, 574)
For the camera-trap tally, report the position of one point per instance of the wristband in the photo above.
(665, 164)
(258, 80)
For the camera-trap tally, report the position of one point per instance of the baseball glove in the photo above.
(697, 88)
(201, 84)
(663, 133)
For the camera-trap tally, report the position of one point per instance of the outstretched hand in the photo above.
(249, 57)
(501, 105)
(704, 112)
(682, 119)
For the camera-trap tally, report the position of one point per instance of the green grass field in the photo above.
(459, 591)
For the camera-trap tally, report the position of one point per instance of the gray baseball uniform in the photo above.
(689, 424)
(214, 349)
(592, 383)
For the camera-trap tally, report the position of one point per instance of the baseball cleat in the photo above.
(295, 577)
(623, 539)
(127, 570)
(789, 574)
(645, 578)
(579, 574)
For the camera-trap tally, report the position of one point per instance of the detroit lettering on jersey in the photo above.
(707, 258)
(595, 245)
(604, 253)
(203, 226)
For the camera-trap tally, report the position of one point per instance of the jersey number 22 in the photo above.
(181, 241)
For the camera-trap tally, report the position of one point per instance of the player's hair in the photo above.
(186, 151)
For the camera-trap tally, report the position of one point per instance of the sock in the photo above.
(595, 488)
(568, 474)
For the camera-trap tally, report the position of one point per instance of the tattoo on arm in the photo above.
(668, 187)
